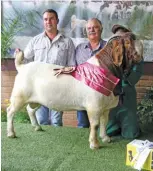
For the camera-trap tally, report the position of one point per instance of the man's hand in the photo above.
(65, 70)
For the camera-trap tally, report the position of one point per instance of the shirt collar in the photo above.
(56, 37)
(100, 46)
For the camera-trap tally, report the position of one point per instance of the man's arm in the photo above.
(71, 54)
(29, 52)
(135, 74)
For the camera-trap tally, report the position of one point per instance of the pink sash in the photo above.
(96, 77)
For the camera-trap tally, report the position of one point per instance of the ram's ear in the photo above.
(127, 43)
(138, 55)
(117, 52)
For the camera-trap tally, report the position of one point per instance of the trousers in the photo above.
(46, 116)
(83, 121)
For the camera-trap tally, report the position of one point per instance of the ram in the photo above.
(38, 84)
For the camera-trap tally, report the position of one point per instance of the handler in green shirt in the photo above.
(123, 119)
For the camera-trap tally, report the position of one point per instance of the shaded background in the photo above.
(73, 15)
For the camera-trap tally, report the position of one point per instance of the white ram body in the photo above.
(36, 84)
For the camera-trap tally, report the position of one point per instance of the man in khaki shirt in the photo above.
(50, 47)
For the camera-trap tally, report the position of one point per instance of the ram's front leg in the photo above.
(94, 123)
(31, 109)
(103, 124)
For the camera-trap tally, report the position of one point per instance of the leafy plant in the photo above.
(30, 19)
(19, 117)
(144, 25)
(145, 108)
(8, 30)
(3, 116)
(13, 25)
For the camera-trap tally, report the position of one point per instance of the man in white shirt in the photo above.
(50, 47)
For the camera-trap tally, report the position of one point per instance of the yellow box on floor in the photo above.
(139, 152)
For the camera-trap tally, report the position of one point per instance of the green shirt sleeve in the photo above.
(135, 74)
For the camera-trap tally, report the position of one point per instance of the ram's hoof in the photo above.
(94, 146)
(106, 139)
(11, 135)
(38, 128)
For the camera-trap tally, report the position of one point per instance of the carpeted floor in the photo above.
(59, 149)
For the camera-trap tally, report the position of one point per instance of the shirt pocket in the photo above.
(62, 51)
(39, 52)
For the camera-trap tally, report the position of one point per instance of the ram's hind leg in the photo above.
(103, 124)
(16, 104)
(31, 109)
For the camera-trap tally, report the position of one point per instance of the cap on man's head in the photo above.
(116, 27)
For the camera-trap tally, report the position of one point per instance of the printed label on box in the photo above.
(140, 154)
